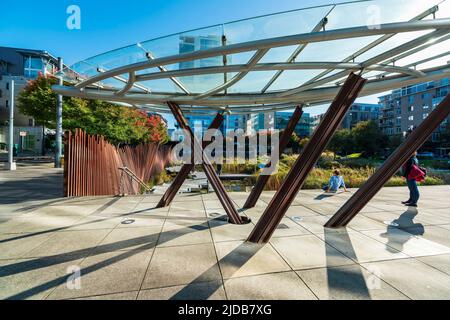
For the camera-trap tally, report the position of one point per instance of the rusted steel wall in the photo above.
(91, 165)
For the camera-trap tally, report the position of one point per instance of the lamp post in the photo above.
(11, 164)
(58, 151)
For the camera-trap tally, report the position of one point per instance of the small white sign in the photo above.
(23, 134)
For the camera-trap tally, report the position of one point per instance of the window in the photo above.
(425, 106)
(31, 122)
(425, 96)
(399, 121)
(411, 108)
(411, 118)
(33, 66)
(7, 86)
(7, 103)
(411, 99)
(425, 115)
(399, 130)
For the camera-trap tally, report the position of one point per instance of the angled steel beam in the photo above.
(297, 51)
(412, 143)
(262, 179)
(305, 162)
(186, 169)
(210, 172)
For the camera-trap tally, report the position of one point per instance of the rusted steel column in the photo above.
(303, 165)
(186, 169)
(262, 179)
(403, 153)
(210, 172)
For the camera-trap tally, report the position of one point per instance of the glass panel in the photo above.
(359, 13)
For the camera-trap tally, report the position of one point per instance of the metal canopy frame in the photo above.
(318, 90)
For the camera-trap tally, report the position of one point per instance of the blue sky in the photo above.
(107, 25)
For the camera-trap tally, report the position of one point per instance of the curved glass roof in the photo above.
(272, 62)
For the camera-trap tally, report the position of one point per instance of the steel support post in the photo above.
(210, 172)
(11, 164)
(262, 179)
(186, 169)
(59, 106)
(403, 153)
(284, 197)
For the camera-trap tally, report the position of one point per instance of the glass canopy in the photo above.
(271, 62)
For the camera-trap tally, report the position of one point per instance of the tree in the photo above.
(342, 142)
(368, 138)
(117, 124)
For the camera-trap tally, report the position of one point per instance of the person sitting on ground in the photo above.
(336, 182)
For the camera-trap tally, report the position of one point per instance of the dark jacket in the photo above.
(408, 165)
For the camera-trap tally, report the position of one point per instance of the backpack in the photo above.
(416, 173)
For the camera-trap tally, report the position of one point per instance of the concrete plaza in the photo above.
(126, 249)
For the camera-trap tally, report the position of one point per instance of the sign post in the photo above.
(58, 151)
(11, 164)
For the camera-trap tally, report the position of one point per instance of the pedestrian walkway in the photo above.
(124, 248)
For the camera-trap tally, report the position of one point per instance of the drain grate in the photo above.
(129, 221)
(283, 226)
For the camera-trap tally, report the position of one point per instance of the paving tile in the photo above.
(35, 225)
(413, 278)
(108, 273)
(212, 290)
(224, 231)
(126, 239)
(139, 221)
(182, 265)
(305, 252)
(191, 206)
(33, 279)
(348, 283)
(440, 262)
(149, 210)
(187, 213)
(300, 211)
(14, 246)
(95, 222)
(132, 295)
(239, 259)
(184, 232)
(68, 242)
(315, 224)
(362, 223)
(411, 244)
(360, 247)
(275, 286)
(288, 228)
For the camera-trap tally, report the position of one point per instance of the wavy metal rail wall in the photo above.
(91, 165)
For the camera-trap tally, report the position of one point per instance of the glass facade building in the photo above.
(405, 108)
